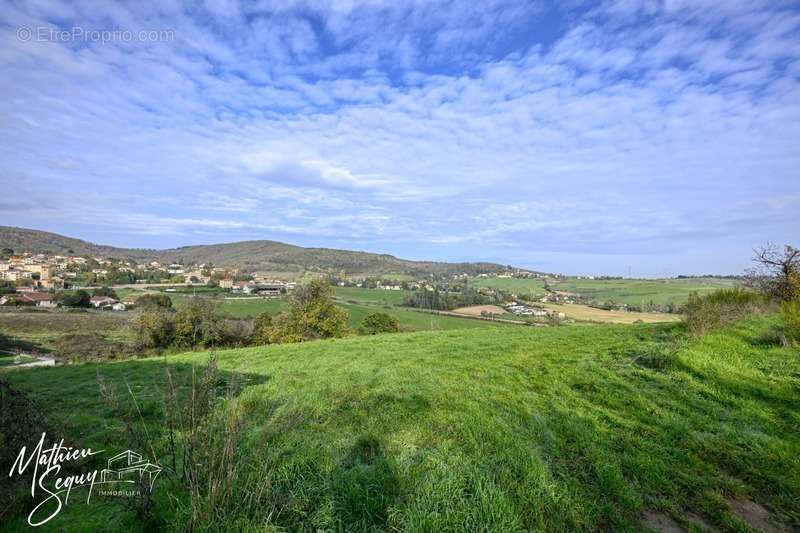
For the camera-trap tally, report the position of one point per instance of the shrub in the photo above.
(79, 347)
(262, 325)
(79, 298)
(154, 328)
(200, 323)
(380, 323)
(105, 291)
(154, 300)
(311, 315)
(703, 313)
(790, 311)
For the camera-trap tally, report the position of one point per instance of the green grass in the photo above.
(370, 296)
(497, 429)
(637, 292)
(627, 291)
(8, 360)
(532, 286)
(369, 301)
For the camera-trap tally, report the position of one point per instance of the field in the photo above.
(499, 429)
(529, 286)
(477, 310)
(637, 292)
(592, 314)
(42, 328)
(624, 291)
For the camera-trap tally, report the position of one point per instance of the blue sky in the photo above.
(652, 137)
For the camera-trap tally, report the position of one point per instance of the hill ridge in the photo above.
(253, 255)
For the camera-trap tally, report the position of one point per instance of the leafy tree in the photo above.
(200, 323)
(262, 326)
(154, 328)
(380, 323)
(311, 315)
(105, 291)
(7, 287)
(154, 300)
(79, 298)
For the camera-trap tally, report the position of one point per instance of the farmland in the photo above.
(636, 292)
(40, 329)
(503, 429)
(621, 291)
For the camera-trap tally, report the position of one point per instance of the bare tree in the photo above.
(777, 272)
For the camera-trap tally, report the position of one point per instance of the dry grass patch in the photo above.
(584, 312)
(479, 310)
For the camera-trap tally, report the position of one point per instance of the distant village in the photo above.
(41, 280)
(35, 279)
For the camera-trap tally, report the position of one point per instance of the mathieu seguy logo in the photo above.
(126, 474)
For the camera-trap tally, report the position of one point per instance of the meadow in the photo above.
(613, 427)
(642, 291)
(621, 291)
(40, 329)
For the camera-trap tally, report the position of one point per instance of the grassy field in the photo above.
(370, 296)
(592, 314)
(43, 328)
(627, 291)
(529, 286)
(498, 429)
(636, 291)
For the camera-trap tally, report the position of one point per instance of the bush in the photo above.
(380, 323)
(105, 291)
(262, 325)
(154, 300)
(311, 315)
(154, 328)
(80, 347)
(79, 298)
(703, 313)
(790, 311)
(200, 323)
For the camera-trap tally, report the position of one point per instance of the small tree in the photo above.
(154, 328)
(311, 315)
(200, 322)
(105, 291)
(154, 300)
(79, 298)
(777, 272)
(262, 325)
(375, 323)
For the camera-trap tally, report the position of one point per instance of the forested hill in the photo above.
(247, 255)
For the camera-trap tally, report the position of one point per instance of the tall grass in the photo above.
(710, 311)
(790, 312)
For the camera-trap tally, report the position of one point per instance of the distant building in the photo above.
(40, 299)
(100, 302)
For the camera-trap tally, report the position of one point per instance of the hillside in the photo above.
(518, 429)
(247, 255)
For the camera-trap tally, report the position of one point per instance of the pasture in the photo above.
(499, 429)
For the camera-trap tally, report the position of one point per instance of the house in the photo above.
(129, 301)
(100, 302)
(226, 284)
(40, 299)
(240, 285)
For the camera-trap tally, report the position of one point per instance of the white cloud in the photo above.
(411, 121)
